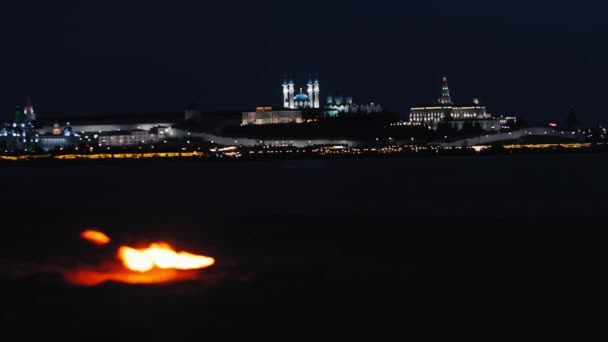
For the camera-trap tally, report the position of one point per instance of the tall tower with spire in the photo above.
(291, 94)
(445, 92)
(316, 90)
(285, 93)
(309, 89)
(29, 113)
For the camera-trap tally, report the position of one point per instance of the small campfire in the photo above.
(157, 263)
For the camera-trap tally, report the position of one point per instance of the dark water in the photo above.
(501, 186)
(423, 249)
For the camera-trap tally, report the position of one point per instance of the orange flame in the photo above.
(161, 255)
(96, 237)
(159, 263)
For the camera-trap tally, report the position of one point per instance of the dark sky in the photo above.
(531, 58)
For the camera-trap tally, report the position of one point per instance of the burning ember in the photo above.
(96, 237)
(158, 263)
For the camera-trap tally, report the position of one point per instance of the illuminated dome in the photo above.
(68, 131)
(301, 97)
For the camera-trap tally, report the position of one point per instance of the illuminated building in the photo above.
(18, 136)
(56, 129)
(51, 142)
(131, 138)
(310, 99)
(340, 105)
(507, 122)
(265, 115)
(161, 131)
(456, 115)
(59, 138)
(148, 121)
(24, 135)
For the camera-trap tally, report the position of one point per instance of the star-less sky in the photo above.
(535, 59)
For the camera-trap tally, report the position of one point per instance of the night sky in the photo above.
(535, 59)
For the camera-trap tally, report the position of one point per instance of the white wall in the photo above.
(533, 131)
(251, 142)
(113, 127)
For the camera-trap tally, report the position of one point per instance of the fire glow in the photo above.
(161, 255)
(158, 263)
(96, 237)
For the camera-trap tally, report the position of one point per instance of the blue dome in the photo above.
(68, 131)
(301, 97)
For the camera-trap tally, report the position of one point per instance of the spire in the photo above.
(28, 112)
(445, 92)
(316, 102)
(290, 91)
(572, 122)
(285, 91)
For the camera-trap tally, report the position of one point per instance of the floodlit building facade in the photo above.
(457, 115)
(508, 122)
(266, 116)
(340, 105)
(25, 134)
(130, 138)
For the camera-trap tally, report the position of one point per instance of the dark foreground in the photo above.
(285, 275)
(349, 277)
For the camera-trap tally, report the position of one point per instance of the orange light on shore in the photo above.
(161, 255)
(158, 263)
(94, 277)
(96, 237)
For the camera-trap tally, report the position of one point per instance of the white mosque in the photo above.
(310, 99)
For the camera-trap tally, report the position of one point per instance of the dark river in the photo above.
(501, 186)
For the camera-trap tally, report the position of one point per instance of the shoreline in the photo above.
(286, 153)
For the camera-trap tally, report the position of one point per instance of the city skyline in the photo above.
(314, 170)
(517, 59)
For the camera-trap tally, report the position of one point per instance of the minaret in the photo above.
(316, 90)
(291, 91)
(29, 110)
(285, 94)
(310, 95)
(445, 92)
